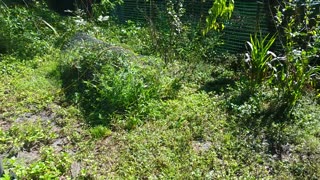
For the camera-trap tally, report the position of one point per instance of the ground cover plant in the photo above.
(89, 98)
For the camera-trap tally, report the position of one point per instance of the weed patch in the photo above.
(77, 107)
(111, 80)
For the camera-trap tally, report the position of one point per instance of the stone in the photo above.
(201, 146)
(85, 41)
(75, 170)
(81, 39)
(28, 157)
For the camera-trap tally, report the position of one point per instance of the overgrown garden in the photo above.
(86, 96)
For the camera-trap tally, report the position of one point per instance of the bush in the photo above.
(25, 31)
(300, 35)
(110, 79)
(295, 72)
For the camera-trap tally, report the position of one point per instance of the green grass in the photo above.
(180, 120)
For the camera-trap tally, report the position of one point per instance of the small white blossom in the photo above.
(103, 18)
(80, 21)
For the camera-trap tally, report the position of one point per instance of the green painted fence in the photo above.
(249, 16)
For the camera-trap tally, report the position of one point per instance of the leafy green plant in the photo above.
(105, 7)
(174, 36)
(221, 9)
(259, 59)
(167, 29)
(294, 77)
(165, 125)
(30, 134)
(300, 38)
(51, 165)
(137, 36)
(111, 80)
(24, 32)
(99, 132)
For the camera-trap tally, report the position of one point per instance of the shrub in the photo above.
(292, 74)
(300, 35)
(110, 80)
(174, 36)
(24, 31)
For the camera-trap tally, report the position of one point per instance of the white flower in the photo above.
(103, 18)
(80, 21)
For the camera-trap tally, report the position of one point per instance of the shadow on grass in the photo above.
(88, 99)
(267, 124)
(219, 86)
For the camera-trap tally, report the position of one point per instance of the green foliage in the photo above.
(259, 59)
(169, 152)
(295, 76)
(292, 74)
(111, 80)
(99, 132)
(167, 30)
(137, 36)
(220, 10)
(27, 134)
(105, 7)
(180, 120)
(300, 39)
(50, 166)
(20, 84)
(172, 35)
(25, 33)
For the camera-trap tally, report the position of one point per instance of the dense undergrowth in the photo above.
(121, 109)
